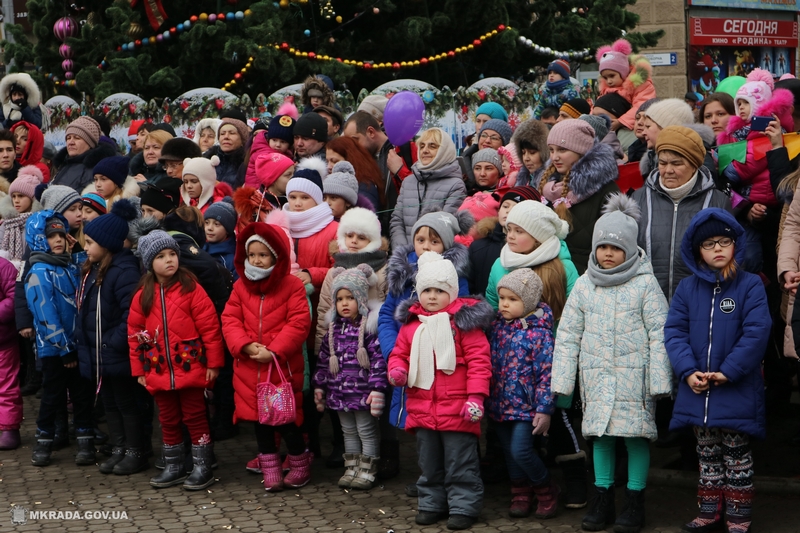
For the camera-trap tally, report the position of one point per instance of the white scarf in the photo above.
(679, 193)
(546, 251)
(433, 341)
(309, 222)
(254, 273)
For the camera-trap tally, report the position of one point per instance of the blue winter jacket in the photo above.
(50, 290)
(223, 252)
(719, 326)
(401, 272)
(115, 293)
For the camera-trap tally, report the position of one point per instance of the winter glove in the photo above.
(376, 402)
(473, 408)
(319, 400)
(21, 103)
(398, 377)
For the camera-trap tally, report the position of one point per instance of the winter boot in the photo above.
(9, 439)
(135, 459)
(367, 468)
(738, 508)
(253, 466)
(270, 465)
(174, 472)
(547, 496)
(202, 476)
(521, 495)
(632, 518)
(389, 465)
(43, 449)
(116, 437)
(601, 510)
(300, 470)
(574, 470)
(86, 455)
(159, 462)
(351, 461)
(710, 501)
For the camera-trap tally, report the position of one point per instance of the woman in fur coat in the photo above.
(20, 98)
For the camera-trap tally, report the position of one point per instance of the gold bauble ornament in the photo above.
(135, 30)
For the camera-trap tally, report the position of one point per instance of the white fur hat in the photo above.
(434, 271)
(362, 221)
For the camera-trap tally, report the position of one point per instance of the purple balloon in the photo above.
(403, 117)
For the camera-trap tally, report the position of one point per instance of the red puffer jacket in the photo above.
(273, 311)
(313, 254)
(177, 359)
(440, 407)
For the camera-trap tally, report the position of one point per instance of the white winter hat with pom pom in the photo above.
(541, 222)
(204, 169)
(436, 272)
(757, 90)
(619, 225)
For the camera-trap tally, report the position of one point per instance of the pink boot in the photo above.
(300, 470)
(270, 464)
(9, 439)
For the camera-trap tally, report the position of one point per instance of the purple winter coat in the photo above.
(348, 391)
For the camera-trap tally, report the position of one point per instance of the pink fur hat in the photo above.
(615, 57)
(757, 90)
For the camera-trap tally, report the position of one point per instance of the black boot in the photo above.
(201, 476)
(174, 472)
(135, 460)
(389, 464)
(116, 437)
(632, 518)
(42, 450)
(574, 470)
(87, 455)
(601, 510)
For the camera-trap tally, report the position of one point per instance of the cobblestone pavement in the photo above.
(237, 501)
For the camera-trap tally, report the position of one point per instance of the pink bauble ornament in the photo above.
(65, 51)
(69, 75)
(67, 64)
(65, 27)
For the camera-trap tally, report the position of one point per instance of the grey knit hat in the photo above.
(487, 155)
(526, 284)
(357, 281)
(599, 123)
(151, 244)
(342, 182)
(446, 225)
(224, 213)
(619, 226)
(500, 127)
(59, 198)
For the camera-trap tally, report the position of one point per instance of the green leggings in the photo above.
(605, 458)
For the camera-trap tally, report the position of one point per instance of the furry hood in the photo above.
(129, 189)
(212, 123)
(140, 227)
(89, 159)
(468, 312)
(4, 185)
(485, 227)
(313, 163)
(25, 80)
(533, 132)
(781, 104)
(705, 133)
(7, 207)
(400, 272)
(592, 172)
(315, 82)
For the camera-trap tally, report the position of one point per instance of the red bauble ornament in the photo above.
(477, 42)
(284, 46)
(106, 109)
(396, 65)
(67, 111)
(132, 108)
(193, 19)
(482, 94)
(237, 76)
(367, 66)
(221, 17)
(219, 102)
(167, 119)
(464, 109)
(184, 105)
(312, 55)
(501, 27)
(423, 61)
(173, 30)
(137, 42)
(451, 54)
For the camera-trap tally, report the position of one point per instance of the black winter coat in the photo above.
(78, 172)
(230, 163)
(215, 279)
(482, 255)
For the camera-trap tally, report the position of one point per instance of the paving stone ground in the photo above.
(237, 501)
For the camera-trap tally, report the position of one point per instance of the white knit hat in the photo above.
(670, 112)
(538, 220)
(361, 221)
(434, 271)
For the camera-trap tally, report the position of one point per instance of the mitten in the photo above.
(398, 377)
(22, 103)
(376, 402)
(473, 408)
(319, 399)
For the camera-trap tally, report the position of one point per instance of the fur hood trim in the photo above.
(473, 313)
(130, 188)
(20, 78)
(533, 132)
(593, 171)
(140, 227)
(212, 123)
(399, 272)
(4, 185)
(641, 71)
(7, 207)
(485, 227)
(780, 104)
(89, 158)
(314, 163)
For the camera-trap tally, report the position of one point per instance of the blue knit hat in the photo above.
(111, 230)
(224, 213)
(114, 168)
(560, 67)
(308, 181)
(492, 109)
(500, 127)
(281, 127)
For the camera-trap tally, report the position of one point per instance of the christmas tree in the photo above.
(143, 47)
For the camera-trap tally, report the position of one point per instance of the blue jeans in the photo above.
(521, 459)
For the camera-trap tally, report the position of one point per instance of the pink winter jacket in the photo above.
(260, 146)
(439, 408)
(635, 95)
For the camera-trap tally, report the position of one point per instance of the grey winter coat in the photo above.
(663, 224)
(444, 188)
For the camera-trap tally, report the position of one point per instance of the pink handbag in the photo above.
(275, 402)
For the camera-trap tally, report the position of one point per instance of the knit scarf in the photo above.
(679, 193)
(61, 260)
(557, 86)
(14, 236)
(432, 348)
(376, 260)
(612, 277)
(254, 273)
(546, 251)
(309, 222)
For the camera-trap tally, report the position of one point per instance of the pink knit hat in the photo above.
(575, 135)
(615, 57)
(269, 168)
(27, 179)
(757, 91)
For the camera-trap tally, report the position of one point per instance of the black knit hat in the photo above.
(614, 104)
(162, 193)
(163, 126)
(312, 126)
(281, 127)
(179, 149)
(711, 228)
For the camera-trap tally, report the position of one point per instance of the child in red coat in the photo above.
(265, 323)
(176, 353)
(442, 357)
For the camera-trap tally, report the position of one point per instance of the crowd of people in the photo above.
(307, 266)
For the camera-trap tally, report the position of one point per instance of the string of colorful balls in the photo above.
(209, 18)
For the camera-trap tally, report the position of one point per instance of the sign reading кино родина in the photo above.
(743, 32)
